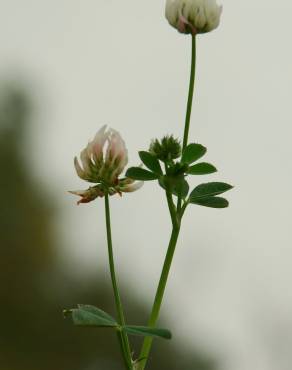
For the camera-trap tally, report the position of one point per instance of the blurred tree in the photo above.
(33, 333)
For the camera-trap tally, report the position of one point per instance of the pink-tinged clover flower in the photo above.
(102, 162)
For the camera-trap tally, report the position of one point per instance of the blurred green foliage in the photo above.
(34, 334)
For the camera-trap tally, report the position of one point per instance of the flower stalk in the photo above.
(190, 100)
(123, 338)
(191, 93)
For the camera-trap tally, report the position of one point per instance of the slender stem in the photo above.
(159, 296)
(189, 103)
(183, 209)
(191, 92)
(123, 350)
(172, 210)
(123, 338)
(147, 344)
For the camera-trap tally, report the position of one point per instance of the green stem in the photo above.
(172, 210)
(147, 344)
(190, 103)
(123, 350)
(191, 93)
(123, 338)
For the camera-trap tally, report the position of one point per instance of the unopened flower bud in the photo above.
(193, 16)
(168, 148)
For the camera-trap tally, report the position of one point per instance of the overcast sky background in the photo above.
(114, 62)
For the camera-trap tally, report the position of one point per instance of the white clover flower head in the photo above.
(102, 162)
(193, 16)
(104, 158)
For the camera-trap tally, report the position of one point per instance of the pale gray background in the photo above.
(119, 63)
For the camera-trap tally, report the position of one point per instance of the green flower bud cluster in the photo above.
(166, 149)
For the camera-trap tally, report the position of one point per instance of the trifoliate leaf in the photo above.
(209, 189)
(138, 173)
(151, 162)
(177, 186)
(181, 188)
(201, 169)
(86, 315)
(212, 202)
(145, 331)
(192, 153)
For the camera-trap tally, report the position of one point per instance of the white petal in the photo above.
(133, 187)
(79, 170)
(81, 193)
(116, 150)
(86, 162)
(98, 143)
